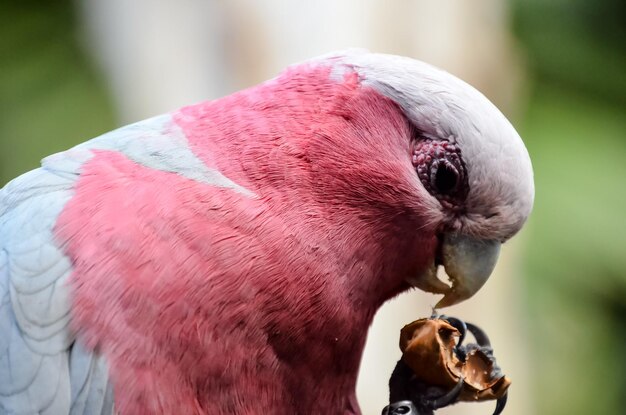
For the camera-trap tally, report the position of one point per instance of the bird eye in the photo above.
(445, 177)
(441, 170)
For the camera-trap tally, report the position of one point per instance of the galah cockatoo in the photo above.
(228, 257)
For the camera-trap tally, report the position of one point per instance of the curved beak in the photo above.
(468, 263)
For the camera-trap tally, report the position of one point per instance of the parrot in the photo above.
(229, 256)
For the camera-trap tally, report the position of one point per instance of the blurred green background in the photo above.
(52, 96)
(575, 130)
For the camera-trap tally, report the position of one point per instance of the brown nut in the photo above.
(428, 349)
(480, 382)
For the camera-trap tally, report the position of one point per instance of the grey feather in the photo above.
(34, 310)
(91, 390)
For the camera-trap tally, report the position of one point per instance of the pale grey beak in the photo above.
(468, 263)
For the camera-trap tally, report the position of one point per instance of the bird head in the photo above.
(472, 173)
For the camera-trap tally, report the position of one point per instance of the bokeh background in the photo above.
(556, 306)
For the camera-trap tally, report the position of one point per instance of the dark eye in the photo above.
(444, 177)
(441, 170)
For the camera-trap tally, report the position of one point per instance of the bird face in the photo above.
(475, 175)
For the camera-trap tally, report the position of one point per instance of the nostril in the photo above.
(492, 215)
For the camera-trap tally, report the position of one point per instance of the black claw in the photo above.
(448, 398)
(479, 335)
(501, 403)
(459, 325)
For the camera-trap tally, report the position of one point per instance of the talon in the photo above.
(450, 397)
(500, 404)
(459, 325)
(479, 335)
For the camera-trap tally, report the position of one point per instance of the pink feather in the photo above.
(205, 300)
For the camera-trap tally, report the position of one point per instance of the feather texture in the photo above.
(34, 375)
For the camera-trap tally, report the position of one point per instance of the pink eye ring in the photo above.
(441, 170)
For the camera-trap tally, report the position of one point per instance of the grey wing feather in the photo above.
(42, 369)
(93, 393)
